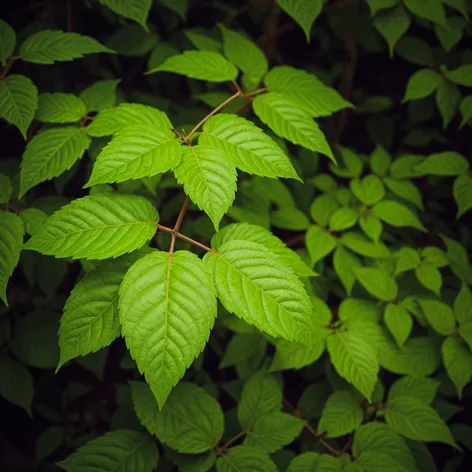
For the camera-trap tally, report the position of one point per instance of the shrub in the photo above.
(237, 233)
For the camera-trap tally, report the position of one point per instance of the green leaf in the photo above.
(246, 146)
(17, 384)
(100, 95)
(35, 340)
(392, 25)
(245, 458)
(6, 188)
(11, 241)
(165, 329)
(257, 234)
(271, 431)
(377, 282)
(380, 161)
(124, 450)
(399, 322)
(439, 316)
(240, 348)
(341, 415)
(463, 194)
(306, 89)
(368, 190)
(97, 227)
(414, 420)
(424, 389)
(135, 152)
(145, 405)
(290, 218)
(355, 360)
(305, 462)
(208, 179)
(396, 214)
(457, 361)
(466, 110)
(50, 153)
(379, 438)
(18, 101)
(371, 461)
(258, 288)
(49, 46)
(244, 53)
(448, 97)
(33, 219)
(136, 10)
(319, 243)
(446, 163)
(433, 11)
(7, 41)
(304, 12)
(323, 207)
(430, 277)
(461, 76)
(287, 120)
(359, 244)
(371, 226)
(113, 120)
(377, 5)
(60, 108)
(202, 65)
(450, 35)
(261, 394)
(463, 305)
(422, 84)
(49, 442)
(203, 40)
(405, 189)
(416, 51)
(343, 218)
(344, 263)
(465, 332)
(90, 321)
(179, 7)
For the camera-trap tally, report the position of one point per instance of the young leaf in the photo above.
(246, 146)
(414, 420)
(122, 449)
(461, 76)
(135, 152)
(11, 240)
(355, 360)
(369, 190)
(342, 219)
(261, 394)
(448, 97)
(271, 431)
(405, 189)
(439, 316)
(462, 191)
(164, 327)
(323, 208)
(113, 120)
(424, 389)
(50, 153)
(60, 108)
(202, 65)
(371, 226)
(344, 263)
(245, 458)
(244, 53)
(18, 101)
(136, 10)
(49, 46)
(304, 12)
(422, 84)
(17, 383)
(258, 288)
(100, 95)
(7, 41)
(287, 120)
(447, 163)
(434, 11)
(307, 90)
(257, 234)
(359, 244)
(457, 361)
(341, 415)
(430, 277)
(90, 320)
(399, 322)
(6, 188)
(97, 227)
(396, 214)
(377, 282)
(392, 25)
(208, 179)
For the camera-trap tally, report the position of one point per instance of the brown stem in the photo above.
(9, 66)
(221, 449)
(237, 87)
(216, 110)
(166, 229)
(178, 223)
(255, 92)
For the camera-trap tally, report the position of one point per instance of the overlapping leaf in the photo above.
(60, 108)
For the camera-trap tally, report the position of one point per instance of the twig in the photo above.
(9, 66)
(237, 87)
(166, 229)
(255, 92)
(178, 223)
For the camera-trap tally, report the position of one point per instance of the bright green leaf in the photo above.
(371, 226)
(136, 10)
(342, 219)
(377, 282)
(430, 277)
(33, 219)
(396, 214)
(359, 244)
(60, 108)
(319, 243)
(422, 388)
(304, 12)
(439, 316)
(323, 207)
(447, 163)
(344, 263)
(422, 84)
(392, 25)
(100, 95)
(399, 322)
(368, 190)
(405, 189)
(462, 191)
